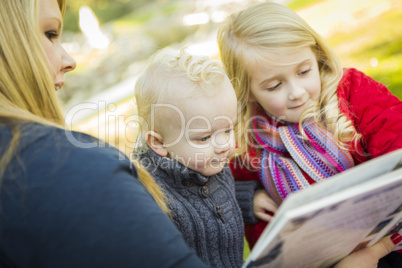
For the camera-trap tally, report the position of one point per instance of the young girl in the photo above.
(304, 118)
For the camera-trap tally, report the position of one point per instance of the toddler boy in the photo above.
(189, 109)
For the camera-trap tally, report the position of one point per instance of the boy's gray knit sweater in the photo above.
(204, 209)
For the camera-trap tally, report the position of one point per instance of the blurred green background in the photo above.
(371, 40)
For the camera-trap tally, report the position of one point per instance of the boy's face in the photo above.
(202, 136)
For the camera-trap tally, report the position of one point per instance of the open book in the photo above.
(318, 226)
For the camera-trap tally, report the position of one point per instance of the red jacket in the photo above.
(375, 113)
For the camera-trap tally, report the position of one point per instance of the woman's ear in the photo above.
(155, 142)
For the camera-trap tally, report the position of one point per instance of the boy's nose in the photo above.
(222, 148)
(221, 143)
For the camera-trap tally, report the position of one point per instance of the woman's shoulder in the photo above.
(68, 191)
(63, 139)
(61, 152)
(33, 134)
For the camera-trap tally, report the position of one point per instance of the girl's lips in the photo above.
(298, 106)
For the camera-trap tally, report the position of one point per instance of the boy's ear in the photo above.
(154, 141)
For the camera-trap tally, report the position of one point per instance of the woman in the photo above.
(65, 200)
(63, 205)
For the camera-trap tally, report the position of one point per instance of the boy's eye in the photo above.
(51, 35)
(205, 138)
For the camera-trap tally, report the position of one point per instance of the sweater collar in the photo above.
(178, 173)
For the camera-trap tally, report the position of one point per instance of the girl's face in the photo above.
(51, 23)
(285, 91)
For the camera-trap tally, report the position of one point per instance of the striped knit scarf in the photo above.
(319, 156)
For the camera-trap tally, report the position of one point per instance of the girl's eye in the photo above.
(305, 72)
(51, 35)
(228, 130)
(275, 87)
(205, 138)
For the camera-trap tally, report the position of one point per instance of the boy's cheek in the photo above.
(231, 150)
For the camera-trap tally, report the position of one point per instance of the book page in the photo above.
(322, 232)
(362, 173)
(388, 226)
(354, 176)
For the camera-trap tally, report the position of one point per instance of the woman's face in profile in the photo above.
(51, 24)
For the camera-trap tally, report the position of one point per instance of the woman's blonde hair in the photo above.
(26, 85)
(27, 92)
(157, 84)
(272, 27)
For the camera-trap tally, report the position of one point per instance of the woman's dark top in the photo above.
(70, 200)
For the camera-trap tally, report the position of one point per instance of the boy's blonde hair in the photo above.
(272, 27)
(157, 84)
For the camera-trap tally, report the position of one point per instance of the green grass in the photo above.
(246, 251)
(146, 14)
(297, 4)
(377, 40)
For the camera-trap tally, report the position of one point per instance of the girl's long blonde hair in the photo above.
(272, 27)
(27, 92)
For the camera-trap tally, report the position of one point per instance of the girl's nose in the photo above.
(68, 62)
(296, 91)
